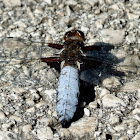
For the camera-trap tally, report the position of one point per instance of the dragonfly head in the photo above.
(74, 35)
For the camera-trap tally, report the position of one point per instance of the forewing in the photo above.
(20, 62)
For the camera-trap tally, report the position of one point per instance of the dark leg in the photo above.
(57, 46)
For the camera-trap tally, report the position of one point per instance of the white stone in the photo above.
(84, 29)
(27, 128)
(83, 126)
(49, 1)
(132, 86)
(41, 103)
(93, 104)
(130, 131)
(2, 115)
(136, 137)
(97, 134)
(124, 138)
(92, 2)
(49, 112)
(137, 117)
(104, 92)
(101, 2)
(112, 36)
(15, 118)
(31, 110)
(14, 96)
(46, 121)
(1, 11)
(71, 2)
(97, 12)
(25, 70)
(100, 114)
(38, 10)
(19, 23)
(131, 123)
(138, 93)
(131, 38)
(30, 102)
(7, 135)
(120, 127)
(137, 103)
(1, 106)
(51, 75)
(111, 82)
(113, 119)
(44, 133)
(50, 93)
(19, 90)
(6, 126)
(110, 100)
(32, 90)
(114, 7)
(68, 11)
(86, 112)
(99, 23)
(12, 3)
(35, 96)
(136, 111)
(64, 133)
(132, 16)
(109, 1)
(54, 114)
(16, 33)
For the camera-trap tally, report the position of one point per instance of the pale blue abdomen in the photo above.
(67, 94)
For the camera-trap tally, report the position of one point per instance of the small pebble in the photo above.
(45, 133)
(120, 127)
(110, 100)
(111, 82)
(93, 104)
(113, 36)
(132, 16)
(2, 115)
(124, 138)
(130, 131)
(27, 128)
(31, 110)
(9, 3)
(136, 111)
(114, 119)
(86, 112)
(41, 103)
(136, 137)
(104, 92)
(15, 118)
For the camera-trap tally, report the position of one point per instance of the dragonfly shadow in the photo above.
(98, 66)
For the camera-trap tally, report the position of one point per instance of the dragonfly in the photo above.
(71, 59)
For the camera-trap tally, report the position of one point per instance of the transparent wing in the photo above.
(21, 66)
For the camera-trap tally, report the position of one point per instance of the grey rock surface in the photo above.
(28, 86)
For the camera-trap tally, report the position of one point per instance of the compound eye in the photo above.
(74, 35)
(81, 34)
(67, 34)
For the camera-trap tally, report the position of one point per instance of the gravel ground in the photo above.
(28, 86)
